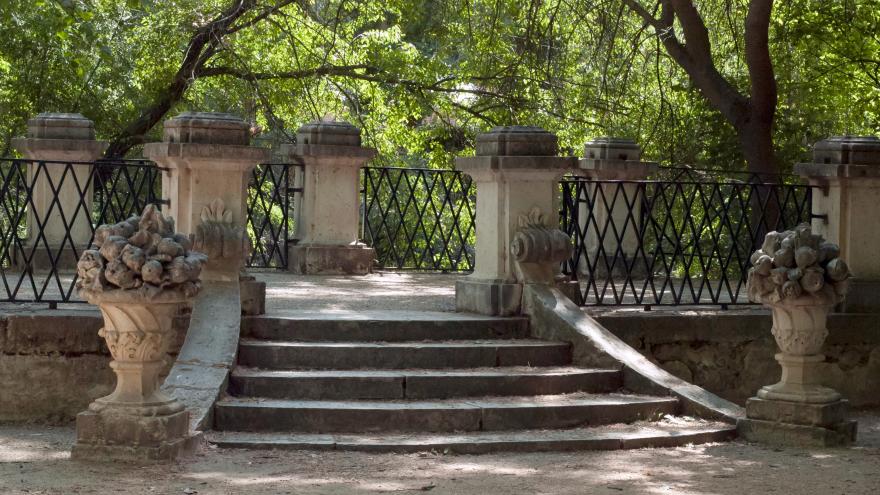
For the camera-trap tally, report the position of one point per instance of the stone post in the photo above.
(516, 172)
(847, 169)
(209, 164)
(63, 138)
(800, 277)
(613, 159)
(329, 223)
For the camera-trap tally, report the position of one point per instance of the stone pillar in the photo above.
(60, 138)
(848, 170)
(209, 164)
(613, 159)
(516, 172)
(329, 222)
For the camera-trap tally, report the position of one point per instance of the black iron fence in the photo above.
(419, 219)
(683, 237)
(48, 214)
(271, 201)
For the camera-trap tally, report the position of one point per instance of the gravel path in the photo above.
(35, 460)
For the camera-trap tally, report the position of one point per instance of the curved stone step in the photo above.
(395, 355)
(491, 413)
(420, 384)
(386, 326)
(612, 437)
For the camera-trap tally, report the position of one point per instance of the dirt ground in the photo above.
(35, 460)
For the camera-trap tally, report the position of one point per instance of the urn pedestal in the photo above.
(799, 410)
(137, 422)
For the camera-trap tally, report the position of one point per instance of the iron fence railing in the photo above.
(270, 212)
(684, 239)
(48, 215)
(419, 219)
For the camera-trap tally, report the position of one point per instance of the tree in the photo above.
(751, 114)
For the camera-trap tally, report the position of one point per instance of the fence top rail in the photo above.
(576, 180)
(418, 169)
(142, 162)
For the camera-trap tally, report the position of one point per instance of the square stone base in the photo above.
(488, 297)
(798, 413)
(253, 296)
(790, 435)
(797, 424)
(315, 259)
(123, 437)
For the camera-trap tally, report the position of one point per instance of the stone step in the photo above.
(387, 326)
(395, 355)
(420, 384)
(491, 413)
(676, 432)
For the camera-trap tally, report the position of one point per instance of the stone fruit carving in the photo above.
(797, 263)
(142, 256)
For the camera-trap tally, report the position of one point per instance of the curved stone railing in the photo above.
(554, 316)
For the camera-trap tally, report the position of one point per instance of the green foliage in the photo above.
(433, 73)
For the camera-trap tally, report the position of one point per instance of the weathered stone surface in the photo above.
(123, 437)
(730, 353)
(469, 414)
(385, 326)
(51, 388)
(396, 355)
(253, 296)
(316, 259)
(798, 413)
(488, 297)
(756, 430)
(594, 438)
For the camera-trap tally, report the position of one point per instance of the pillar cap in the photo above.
(517, 140)
(854, 150)
(51, 125)
(612, 148)
(207, 128)
(335, 133)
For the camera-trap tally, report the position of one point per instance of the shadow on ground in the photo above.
(35, 460)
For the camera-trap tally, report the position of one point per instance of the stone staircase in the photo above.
(451, 382)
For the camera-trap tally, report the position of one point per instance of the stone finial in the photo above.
(219, 237)
(797, 263)
(207, 128)
(337, 133)
(611, 148)
(849, 150)
(517, 140)
(539, 249)
(140, 257)
(50, 125)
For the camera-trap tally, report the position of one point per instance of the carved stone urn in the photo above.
(800, 278)
(799, 328)
(139, 273)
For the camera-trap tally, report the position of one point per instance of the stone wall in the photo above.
(53, 364)
(731, 353)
